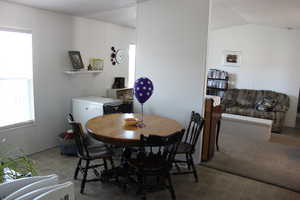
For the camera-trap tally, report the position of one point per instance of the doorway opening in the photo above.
(255, 107)
(131, 68)
(298, 113)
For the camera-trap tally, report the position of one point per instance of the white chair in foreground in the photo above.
(10, 187)
(48, 181)
(64, 191)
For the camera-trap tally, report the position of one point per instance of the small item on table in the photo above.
(131, 121)
(141, 124)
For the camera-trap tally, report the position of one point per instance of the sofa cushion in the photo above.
(282, 100)
(251, 112)
(266, 104)
(246, 98)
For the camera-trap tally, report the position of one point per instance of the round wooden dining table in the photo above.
(111, 128)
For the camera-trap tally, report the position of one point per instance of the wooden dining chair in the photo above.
(187, 146)
(88, 155)
(154, 159)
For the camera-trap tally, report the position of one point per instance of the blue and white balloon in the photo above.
(143, 89)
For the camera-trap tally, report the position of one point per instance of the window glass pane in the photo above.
(16, 54)
(16, 85)
(131, 66)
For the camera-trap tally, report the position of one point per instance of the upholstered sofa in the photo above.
(244, 102)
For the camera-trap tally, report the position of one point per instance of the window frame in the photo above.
(28, 123)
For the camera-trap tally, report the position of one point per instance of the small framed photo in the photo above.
(76, 60)
(232, 58)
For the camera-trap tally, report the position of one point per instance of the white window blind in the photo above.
(16, 82)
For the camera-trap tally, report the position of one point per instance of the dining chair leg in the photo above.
(141, 186)
(188, 161)
(177, 167)
(84, 176)
(157, 180)
(218, 134)
(171, 189)
(77, 169)
(105, 164)
(193, 167)
(112, 163)
(113, 168)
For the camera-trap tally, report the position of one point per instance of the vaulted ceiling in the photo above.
(224, 13)
(122, 12)
(278, 13)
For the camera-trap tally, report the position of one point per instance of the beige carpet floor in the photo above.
(212, 185)
(242, 152)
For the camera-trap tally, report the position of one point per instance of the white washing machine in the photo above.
(86, 108)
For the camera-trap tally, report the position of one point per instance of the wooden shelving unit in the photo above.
(217, 86)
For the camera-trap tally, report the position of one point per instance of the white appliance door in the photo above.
(84, 111)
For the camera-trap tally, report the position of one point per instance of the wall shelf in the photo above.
(71, 72)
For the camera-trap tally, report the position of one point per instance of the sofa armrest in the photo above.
(282, 105)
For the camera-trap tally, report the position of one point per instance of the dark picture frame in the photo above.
(76, 60)
(232, 58)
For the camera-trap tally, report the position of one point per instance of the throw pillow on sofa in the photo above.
(266, 104)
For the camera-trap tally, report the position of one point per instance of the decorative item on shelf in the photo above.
(117, 56)
(97, 64)
(143, 89)
(232, 58)
(119, 83)
(76, 60)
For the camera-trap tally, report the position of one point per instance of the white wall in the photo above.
(269, 59)
(171, 51)
(53, 35)
(95, 39)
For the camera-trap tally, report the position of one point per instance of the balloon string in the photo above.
(142, 113)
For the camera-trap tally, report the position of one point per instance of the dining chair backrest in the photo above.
(79, 137)
(160, 148)
(194, 129)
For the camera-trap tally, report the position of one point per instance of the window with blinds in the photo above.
(16, 80)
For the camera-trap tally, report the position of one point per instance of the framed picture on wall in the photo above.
(232, 58)
(76, 60)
